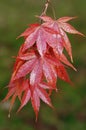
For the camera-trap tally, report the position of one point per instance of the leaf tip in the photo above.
(71, 59)
(83, 35)
(18, 37)
(36, 113)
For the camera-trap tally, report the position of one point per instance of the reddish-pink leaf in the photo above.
(12, 102)
(61, 72)
(44, 96)
(45, 86)
(49, 73)
(29, 31)
(34, 25)
(50, 30)
(52, 60)
(56, 40)
(25, 84)
(10, 93)
(63, 59)
(25, 69)
(52, 40)
(40, 36)
(65, 19)
(35, 100)
(67, 44)
(27, 56)
(26, 97)
(17, 65)
(41, 43)
(36, 74)
(30, 40)
(70, 29)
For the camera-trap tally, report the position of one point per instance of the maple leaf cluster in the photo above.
(40, 61)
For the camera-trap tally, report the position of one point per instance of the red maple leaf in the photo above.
(42, 35)
(15, 89)
(35, 96)
(40, 61)
(61, 26)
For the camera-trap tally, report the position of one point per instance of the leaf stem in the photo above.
(48, 2)
(45, 7)
(53, 10)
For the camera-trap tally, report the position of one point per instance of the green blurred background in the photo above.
(70, 101)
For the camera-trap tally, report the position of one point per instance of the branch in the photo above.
(48, 2)
(45, 7)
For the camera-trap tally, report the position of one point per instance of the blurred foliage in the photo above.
(70, 101)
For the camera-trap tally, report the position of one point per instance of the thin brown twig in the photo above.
(45, 7)
(48, 2)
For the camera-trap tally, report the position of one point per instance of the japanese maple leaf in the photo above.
(41, 36)
(15, 89)
(35, 96)
(61, 26)
(38, 67)
(25, 92)
(58, 69)
(24, 64)
(32, 64)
